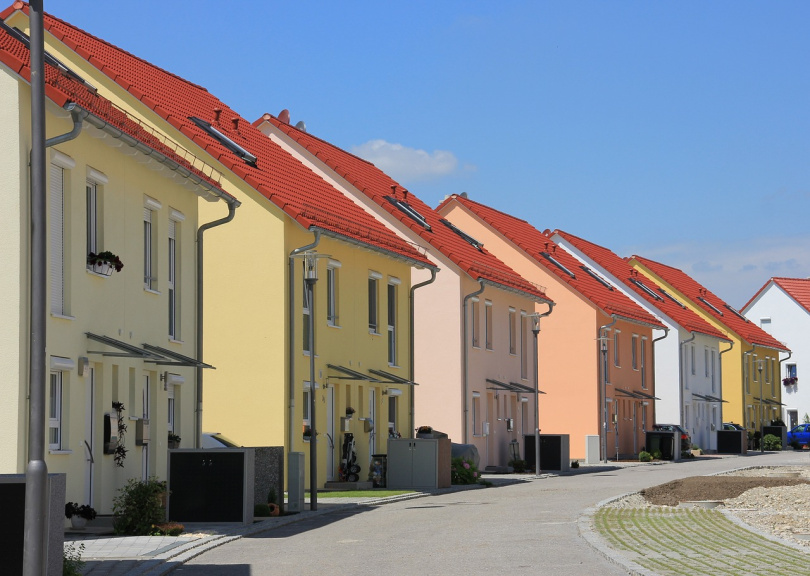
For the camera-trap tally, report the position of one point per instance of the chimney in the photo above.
(235, 121)
(464, 195)
(394, 190)
(284, 116)
(217, 112)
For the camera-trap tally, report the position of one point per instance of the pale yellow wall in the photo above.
(13, 262)
(117, 306)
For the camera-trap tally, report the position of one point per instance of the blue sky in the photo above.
(677, 131)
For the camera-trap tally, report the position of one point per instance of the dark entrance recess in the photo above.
(12, 528)
(550, 452)
(206, 486)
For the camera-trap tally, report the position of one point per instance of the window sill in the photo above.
(374, 333)
(60, 452)
(96, 274)
(151, 291)
(333, 325)
(394, 365)
(173, 341)
(62, 316)
(490, 350)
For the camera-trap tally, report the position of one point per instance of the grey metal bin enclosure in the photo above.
(732, 442)
(665, 443)
(418, 463)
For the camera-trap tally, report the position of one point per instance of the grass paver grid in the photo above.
(694, 543)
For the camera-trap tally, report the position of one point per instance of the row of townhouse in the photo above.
(420, 316)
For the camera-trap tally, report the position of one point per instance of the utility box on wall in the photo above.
(211, 485)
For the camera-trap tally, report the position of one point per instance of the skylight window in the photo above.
(23, 37)
(557, 263)
(737, 313)
(597, 277)
(225, 141)
(646, 288)
(472, 241)
(710, 305)
(409, 211)
(671, 297)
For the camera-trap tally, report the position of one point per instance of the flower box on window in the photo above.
(790, 380)
(104, 263)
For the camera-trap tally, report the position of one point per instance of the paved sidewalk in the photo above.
(109, 555)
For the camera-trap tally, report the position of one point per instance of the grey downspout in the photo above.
(790, 353)
(291, 330)
(666, 333)
(465, 353)
(411, 401)
(36, 471)
(603, 411)
(232, 205)
(747, 373)
(731, 342)
(77, 114)
(681, 371)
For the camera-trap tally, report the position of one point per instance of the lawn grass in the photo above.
(363, 493)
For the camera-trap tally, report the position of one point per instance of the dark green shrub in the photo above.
(139, 507)
(518, 466)
(261, 510)
(463, 471)
(772, 442)
(656, 454)
(574, 463)
(72, 562)
(644, 456)
(168, 529)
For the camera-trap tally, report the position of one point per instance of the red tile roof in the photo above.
(534, 243)
(375, 184)
(63, 89)
(711, 304)
(620, 269)
(283, 180)
(796, 288)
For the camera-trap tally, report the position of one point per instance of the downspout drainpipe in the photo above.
(790, 353)
(731, 342)
(36, 471)
(681, 371)
(291, 330)
(666, 333)
(604, 411)
(465, 353)
(747, 372)
(536, 332)
(232, 206)
(411, 401)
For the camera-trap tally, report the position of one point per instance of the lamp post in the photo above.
(603, 346)
(761, 438)
(310, 278)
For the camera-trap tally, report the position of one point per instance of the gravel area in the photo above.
(775, 500)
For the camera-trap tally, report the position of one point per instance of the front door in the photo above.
(145, 415)
(330, 433)
(89, 419)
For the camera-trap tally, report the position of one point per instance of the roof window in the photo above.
(597, 277)
(671, 297)
(472, 241)
(710, 305)
(557, 263)
(23, 37)
(225, 141)
(409, 211)
(646, 288)
(737, 313)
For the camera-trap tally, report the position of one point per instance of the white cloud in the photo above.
(735, 270)
(405, 164)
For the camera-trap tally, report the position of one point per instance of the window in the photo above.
(692, 358)
(713, 368)
(246, 156)
(557, 263)
(706, 361)
(476, 323)
(305, 406)
(392, 416)
(392, 321)
(373, 302)
(746, 374)
(616, 356)
(512, 332)
(409, 211)
(524, 355)
(55, 412)
(710, 305)
(151, 206)
(170, 407)
(643, 362)
(466, 237)
(757, 368)
(306, 311)
(634, 350)
(790, 371)
(768, 365)
(488, 324)
(765, 324)
(92, 218)
(56, 226)
(174, 279)
(597, 277)
(476, 411)
(646, 289)
(332, 293)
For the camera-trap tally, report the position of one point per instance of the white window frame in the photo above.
(475, 320)
(476, 409)
(714, 370)
(170, 407)
(643, 361)
(488, 328)
(151, 207)
(392, 308)
(755, 367)
(392, 415)
(706, 361)
(512, 331)
(306, 310)
(173, 277)
(692, 357)
(374, 302)
(616, 349)
(55, 409)
(634, 350)
(58, 260)
(524, 346)
(332, 293)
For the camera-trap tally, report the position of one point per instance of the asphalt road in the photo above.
(529, 528)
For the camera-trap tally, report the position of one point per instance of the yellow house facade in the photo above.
(254, 312)
(115, 337)
(750, 368)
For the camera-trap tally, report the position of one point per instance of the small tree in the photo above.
(772, 442)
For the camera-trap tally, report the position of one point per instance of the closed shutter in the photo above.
(56, 225)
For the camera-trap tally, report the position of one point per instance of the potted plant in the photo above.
(79, 515)
(349, 412)
(790, 380)
(174, 440)
(307, 433)
(424, 432)
(104, 263)
(272, 503)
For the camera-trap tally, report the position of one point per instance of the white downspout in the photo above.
(600, 334)
(465, 353)
(681, 371)
(411, 400)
